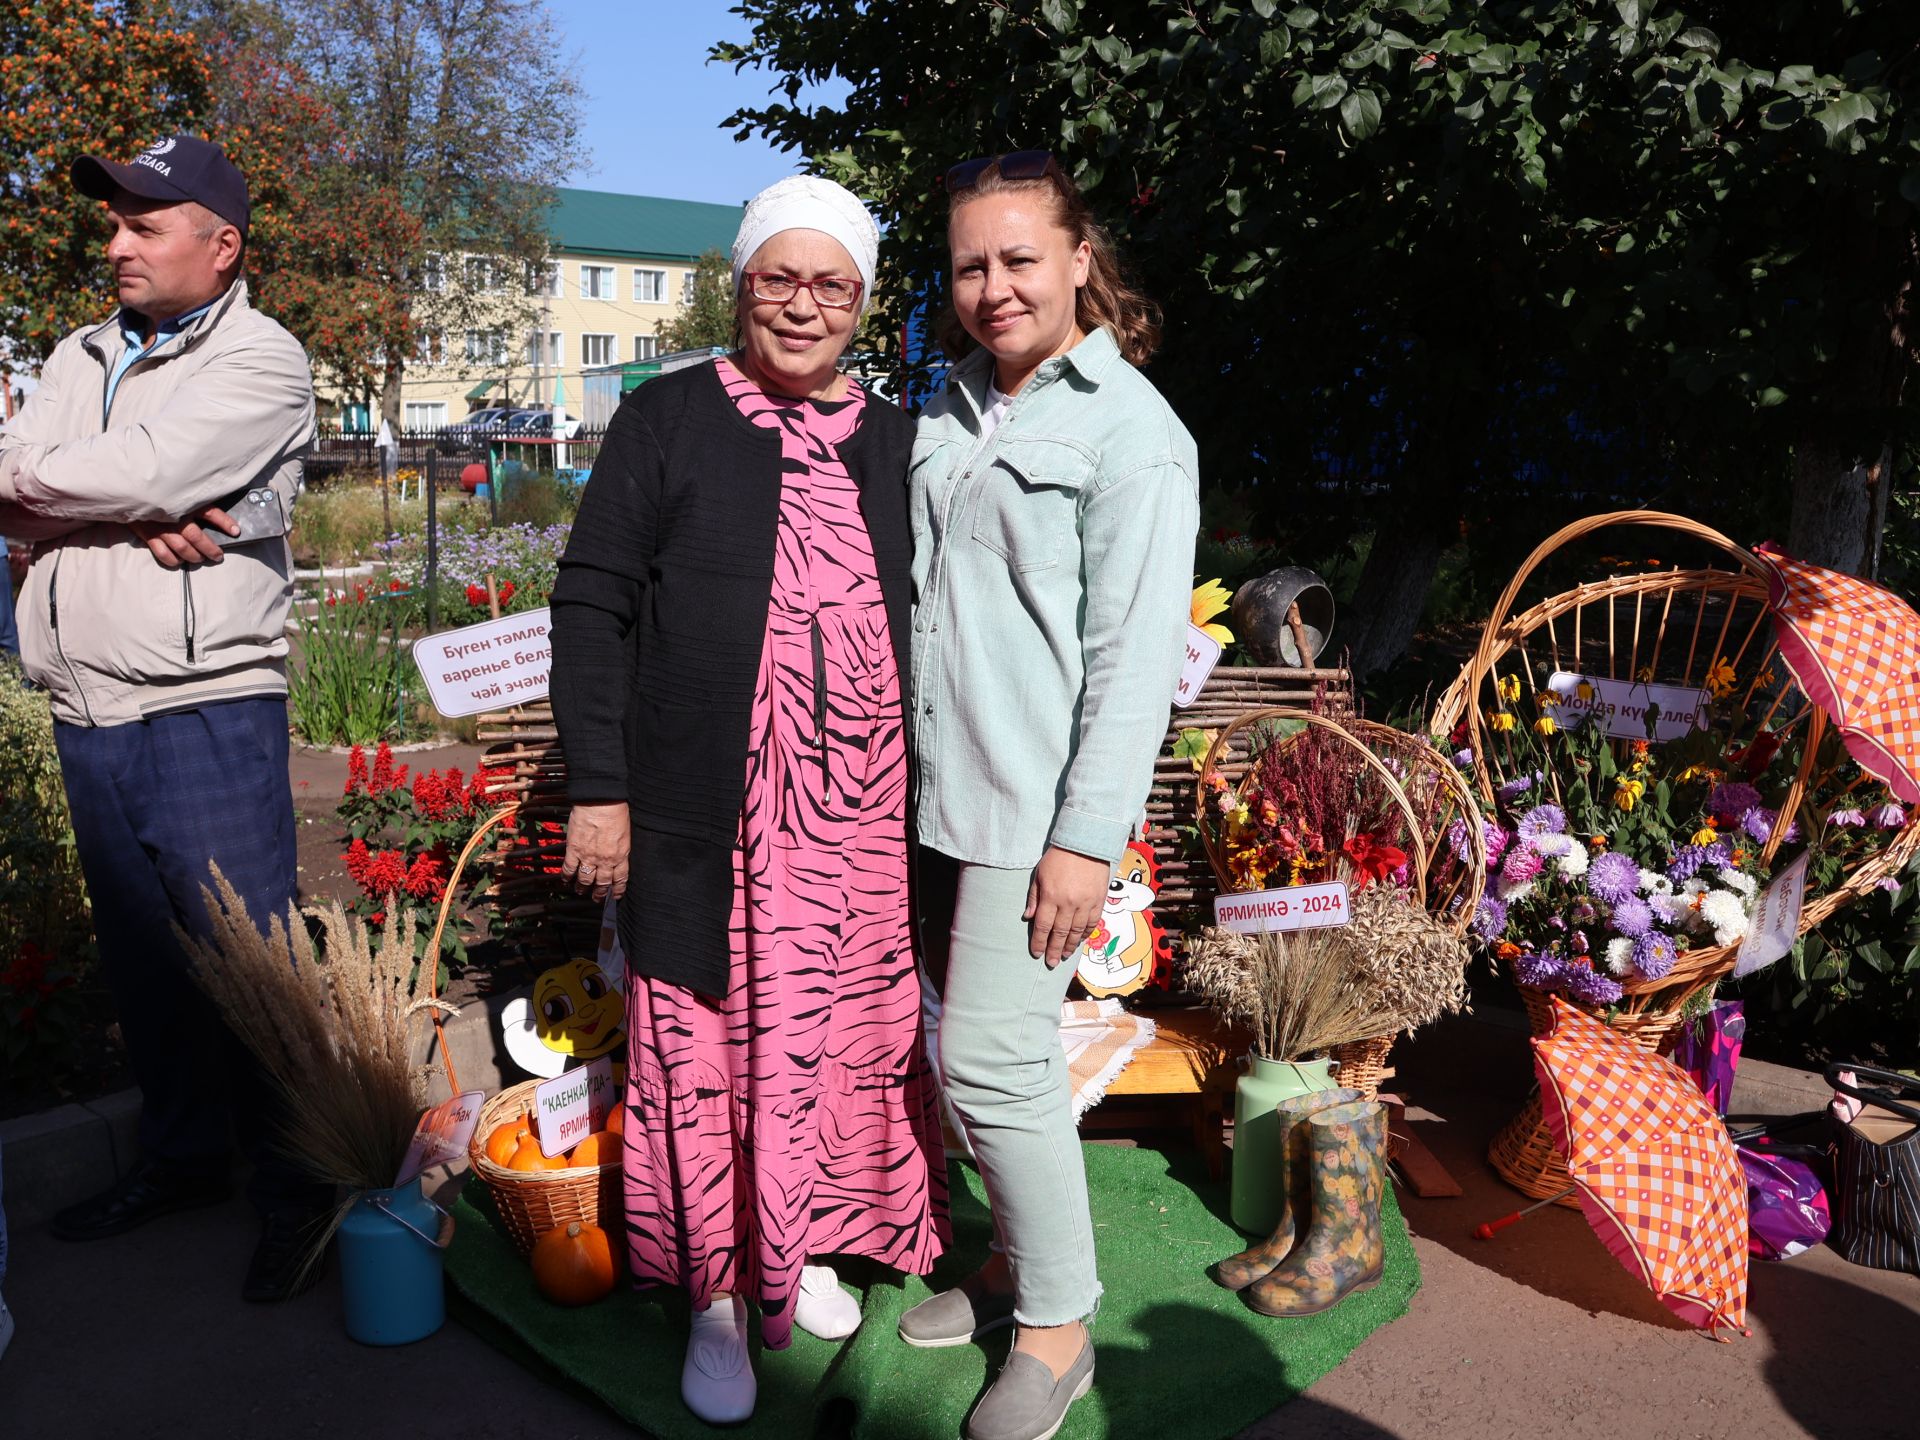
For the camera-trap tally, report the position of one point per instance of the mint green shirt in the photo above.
(1052, 581)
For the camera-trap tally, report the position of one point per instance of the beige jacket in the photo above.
(225, 405)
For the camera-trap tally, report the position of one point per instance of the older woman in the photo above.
(729, 632)
(1055, 503)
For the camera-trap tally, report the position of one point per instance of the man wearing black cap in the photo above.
(154, 471)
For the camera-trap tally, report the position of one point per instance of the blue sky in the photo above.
(652, 105)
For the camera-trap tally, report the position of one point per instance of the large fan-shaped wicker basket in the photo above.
(1669, 626)
(1424, 786)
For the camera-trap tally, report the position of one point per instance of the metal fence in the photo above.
(339, 453)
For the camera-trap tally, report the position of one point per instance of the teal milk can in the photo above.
(392, 1251)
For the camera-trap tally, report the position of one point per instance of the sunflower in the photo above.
(1208, 601)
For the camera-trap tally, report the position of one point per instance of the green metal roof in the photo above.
(640, 227)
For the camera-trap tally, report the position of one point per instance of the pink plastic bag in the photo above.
(1709, 1050)
(1787, 1209)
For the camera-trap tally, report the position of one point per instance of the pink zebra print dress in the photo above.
(797, 1117)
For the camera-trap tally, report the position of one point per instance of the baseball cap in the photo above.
(181, 167)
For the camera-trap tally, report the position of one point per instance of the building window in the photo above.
(686, 287)
(428, 348)
(596, 349)
(596, 282)
(487, 347)
(543, 278)
(645, 347)
(650, 287)
(433, 274)
(544, 350)
(485, 275)
(424, 415)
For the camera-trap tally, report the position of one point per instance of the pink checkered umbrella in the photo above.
(1855, 649)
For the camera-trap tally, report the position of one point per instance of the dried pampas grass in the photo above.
(328, 1024)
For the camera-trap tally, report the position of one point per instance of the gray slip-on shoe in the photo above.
(1026, 1402)
(955, 1317)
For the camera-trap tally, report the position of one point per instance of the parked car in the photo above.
(530, 422)
(473, 429)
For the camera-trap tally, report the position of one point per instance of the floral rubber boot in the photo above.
(1343, 1251)
(1236, 1272)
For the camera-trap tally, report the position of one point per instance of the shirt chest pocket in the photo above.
(1026, 508)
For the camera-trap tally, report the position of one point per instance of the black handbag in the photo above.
(1876, 1171)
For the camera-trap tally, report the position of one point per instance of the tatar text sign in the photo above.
(1622, 706)
(1202, 653)
(1294, 907)
(573, 1105)
(488, 666)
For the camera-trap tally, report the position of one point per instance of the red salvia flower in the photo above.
(383, 780)
(356, 769)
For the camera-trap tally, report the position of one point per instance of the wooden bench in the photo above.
(1193, 1062)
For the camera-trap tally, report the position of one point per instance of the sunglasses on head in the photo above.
(1019, 165)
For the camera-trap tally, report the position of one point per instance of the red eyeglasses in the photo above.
(833, 291)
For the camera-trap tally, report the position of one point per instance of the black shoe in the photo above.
(279, 1269)
(151, 1189)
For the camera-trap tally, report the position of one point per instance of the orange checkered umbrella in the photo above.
(1855, 649)
(1656, 1174)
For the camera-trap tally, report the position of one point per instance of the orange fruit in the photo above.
(527, 1156)
(506, 1138)
(599, 1148)
(574, 1265)
(614, 1118)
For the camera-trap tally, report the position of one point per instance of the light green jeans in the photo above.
(1006, 1079)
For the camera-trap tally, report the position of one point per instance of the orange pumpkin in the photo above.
(600, 1148)
(614, 1117)
(573, 1266)
(527, 1156)
(506, 1138)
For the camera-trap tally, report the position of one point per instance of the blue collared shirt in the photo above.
(136, 345)
(1052, 576)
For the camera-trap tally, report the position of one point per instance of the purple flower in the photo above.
(1463, 758)
(1613, 877)
(1538, 972)
(1687, 861)
(1543, 820)
(1732, 801)
(1848, 819)
(1889, 816)
(1521, 865)
(1717, 854)
(1490, 920)
(1590, 986)
(1518, 786)
(1654, 954)
(1891, 884)
(1579, 942)
(1759, 823)
(1632, 916)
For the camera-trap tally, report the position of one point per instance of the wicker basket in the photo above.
(1672, 624)
(1424, 786)
(1363, 1065)
(532, 1202)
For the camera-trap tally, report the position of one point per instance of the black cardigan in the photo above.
(659, 615)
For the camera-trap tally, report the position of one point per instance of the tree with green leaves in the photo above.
(77, 76)
(461, 115)
(708, 318)
(1444, 267)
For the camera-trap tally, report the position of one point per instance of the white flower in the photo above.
(1551, 844)
(1673, 909)
(1511, 893)
(1620, 955)
(1726, 912)
(1654, 883)
(1574, 863)
(1734, 880)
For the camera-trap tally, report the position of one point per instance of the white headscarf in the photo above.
(806, 202)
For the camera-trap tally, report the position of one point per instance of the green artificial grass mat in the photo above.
(1177, 1355)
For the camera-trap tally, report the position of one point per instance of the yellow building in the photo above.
(622, 267)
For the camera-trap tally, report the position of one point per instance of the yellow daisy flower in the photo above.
(1627, 794)
(1208, 601)
(1501, 721)
(1544, 725)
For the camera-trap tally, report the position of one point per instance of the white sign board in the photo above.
(570, 1107)
(1776, 919)
(488, 666)
(1295, 907)
(1622, 706)
(442, 1134)
(1202, 654)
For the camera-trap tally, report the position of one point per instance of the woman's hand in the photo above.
(597, 840)
(1063, 901)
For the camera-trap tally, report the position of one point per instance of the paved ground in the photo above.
(1540, 1333)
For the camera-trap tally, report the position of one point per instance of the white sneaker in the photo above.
(822, 1308)
(717, 1379)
